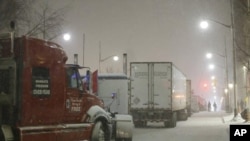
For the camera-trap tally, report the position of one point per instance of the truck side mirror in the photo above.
(113, 95)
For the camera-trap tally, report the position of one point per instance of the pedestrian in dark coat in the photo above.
(209, 106)
(215, 106)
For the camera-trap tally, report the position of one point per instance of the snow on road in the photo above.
(202, 126)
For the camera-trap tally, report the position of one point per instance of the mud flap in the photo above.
(124, 127)
(7, 133)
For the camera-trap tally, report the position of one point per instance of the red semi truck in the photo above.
(43, 99)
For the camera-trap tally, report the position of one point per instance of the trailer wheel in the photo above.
(140, 124)
(172, 122)
(182, 115)
(100, 132)
(129, 139)
(126, 139)
(136, 123)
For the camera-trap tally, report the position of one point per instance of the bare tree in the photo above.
(32, 18)
(13, 10)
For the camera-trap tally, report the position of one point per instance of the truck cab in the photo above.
(42, 98)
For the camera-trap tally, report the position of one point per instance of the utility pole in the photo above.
(83, 48)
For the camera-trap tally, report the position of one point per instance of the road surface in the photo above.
(202, 126)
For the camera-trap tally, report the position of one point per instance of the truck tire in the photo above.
(130, 139)
(127, 139)
(100, 132)
(137, 124)
(1, 135)
(172, 121)
(182, 115)
(140, 124)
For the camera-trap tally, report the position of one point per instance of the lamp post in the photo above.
(115, 57)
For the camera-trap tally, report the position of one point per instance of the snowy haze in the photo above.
(147, 30)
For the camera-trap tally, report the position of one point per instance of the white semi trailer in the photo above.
(195, 104)
(189, 96)
(157, 93)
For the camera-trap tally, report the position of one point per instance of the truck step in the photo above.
(7, 132)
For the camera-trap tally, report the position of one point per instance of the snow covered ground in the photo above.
(202, 126)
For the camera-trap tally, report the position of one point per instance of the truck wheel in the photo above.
(182, 115)
(100, 132)
(144, 123)
(172, 122)
(1, 136)
(139, 124)
(136, 123)
(127, 139)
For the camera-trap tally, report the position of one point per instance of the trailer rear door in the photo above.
(161, 74)
(139, 85)
(151, 85)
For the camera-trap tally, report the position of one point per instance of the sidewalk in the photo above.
(228, 118)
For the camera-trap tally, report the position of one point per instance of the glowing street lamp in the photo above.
(211, 66)
(204, 24)
(209, 55)
(66, 36)
(114, 57)
(213, 77)
(230, 85)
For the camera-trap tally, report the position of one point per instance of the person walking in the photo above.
(209, 106)
(215, 106)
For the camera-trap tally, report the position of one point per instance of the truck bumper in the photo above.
(151, 115)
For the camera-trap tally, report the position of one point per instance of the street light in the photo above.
(209, 55)
(211, 66)
(115, 57)
(66, 36)
(204, 24)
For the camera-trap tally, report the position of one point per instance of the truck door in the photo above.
(140, 88)
(161, 85)
(74, 108)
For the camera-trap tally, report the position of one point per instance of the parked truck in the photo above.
(157, 93)
(43, 99)
(113, 90)
(189, 96)
(194, 104)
